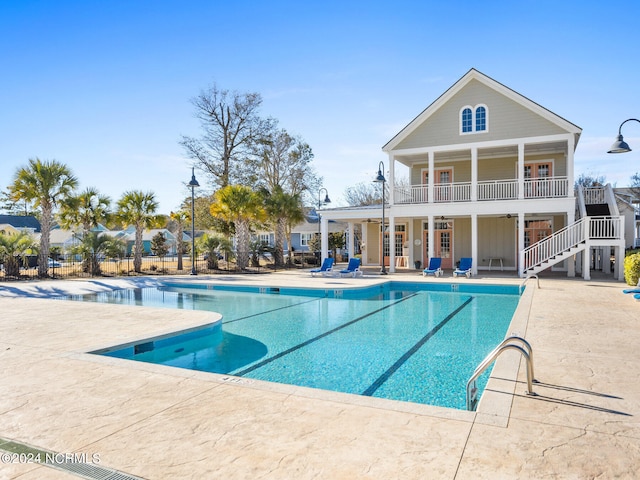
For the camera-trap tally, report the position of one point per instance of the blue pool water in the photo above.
(413, 342)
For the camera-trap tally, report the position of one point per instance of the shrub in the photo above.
(632, 269)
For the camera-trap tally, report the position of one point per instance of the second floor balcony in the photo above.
(486, 190)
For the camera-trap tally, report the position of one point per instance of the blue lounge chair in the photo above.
(433, 268)
(353, 268)
(464, 268)
(631, 290)
(324, 269)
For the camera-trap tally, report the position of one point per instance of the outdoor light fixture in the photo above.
(320, 203)
(380, 179)
(620, 146)
(193, 184)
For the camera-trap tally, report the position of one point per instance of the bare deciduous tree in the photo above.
(230, 125)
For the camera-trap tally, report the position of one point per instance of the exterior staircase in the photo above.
(600, 225)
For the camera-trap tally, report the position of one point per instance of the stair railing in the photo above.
(553, 245)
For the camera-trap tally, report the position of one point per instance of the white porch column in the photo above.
(431, 195)
(431, 233)
(571, 145)
(392, 244)
(474, 175)
(365, 242)
(521, 176)
(392, 184)
(520, 243)
(474, 243)
(324, 233)
(351, 244)
(571, 262)
(586, 262)
(410, 239)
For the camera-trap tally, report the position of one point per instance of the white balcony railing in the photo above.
(452, 192)
(552, 187)
(593, 195)
(498, 190)
(487, 190)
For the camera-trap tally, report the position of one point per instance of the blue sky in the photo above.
(105, 87)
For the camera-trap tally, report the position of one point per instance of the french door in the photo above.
(442, 184)
(400, 234)
(536, 179)
(443, 246)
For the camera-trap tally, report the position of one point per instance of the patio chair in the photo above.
(353, 268)
(464, 268)
(324, 269)
(433, 268)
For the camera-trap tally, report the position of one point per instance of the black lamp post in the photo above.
(620, 146)
(320, 203)
(380, 179)
(193, 184)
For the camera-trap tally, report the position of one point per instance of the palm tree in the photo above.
(242, 206)
(285, 211)
(138, 209)
(212, 245)
(14, 248)
(86, 209)
(180, 217)
(45, 184)
(95, 245)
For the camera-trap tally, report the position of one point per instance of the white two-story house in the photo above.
(491, 177)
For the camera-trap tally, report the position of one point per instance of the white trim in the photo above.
(511, 142)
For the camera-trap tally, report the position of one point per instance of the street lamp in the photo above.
(620, 146)
(193, 184)
(320, 203)
(380, 179)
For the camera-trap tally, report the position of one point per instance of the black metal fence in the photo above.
(151, 265)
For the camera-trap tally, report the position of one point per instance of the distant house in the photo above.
(129, 237)
(302, 234)
(6, 229)
(65, 240)
(21, 223)
(629, 206)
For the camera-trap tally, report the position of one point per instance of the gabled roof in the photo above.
(21, 221)
(474, 74)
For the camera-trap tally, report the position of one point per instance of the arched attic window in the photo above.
(473, 119)
(467, 120)
(481, 118)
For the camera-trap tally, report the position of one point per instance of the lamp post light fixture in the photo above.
(320, 203)
(193, 184)
(380, 179)
(620, 146)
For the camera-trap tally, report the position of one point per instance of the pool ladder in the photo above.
(509, 343)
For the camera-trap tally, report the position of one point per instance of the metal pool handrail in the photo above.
(506, 344)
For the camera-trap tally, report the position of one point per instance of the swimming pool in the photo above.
(412, 342)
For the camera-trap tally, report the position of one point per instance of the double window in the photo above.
(305, 238)
(474, 119)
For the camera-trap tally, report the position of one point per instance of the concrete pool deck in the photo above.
(158, 422)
